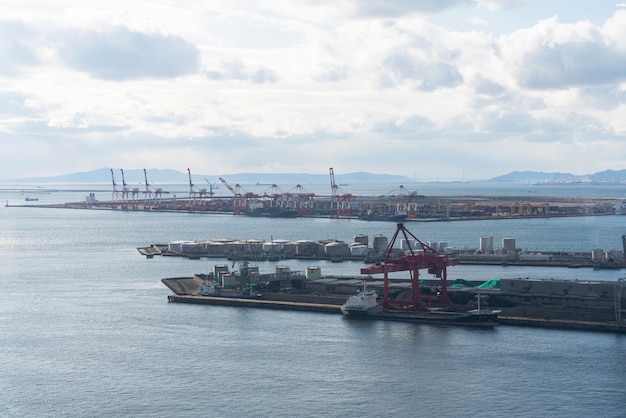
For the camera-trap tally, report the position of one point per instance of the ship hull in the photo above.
(469, 319)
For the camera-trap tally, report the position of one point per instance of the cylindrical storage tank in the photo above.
(271, 247)
(380, 244)
(306, 248)
(213, 247)
(358, 250)
(220, 269)
(228, 280)
(336, 249)
(313, 273)
(486, 244)
(362, 239)
(282, 270)
(191, 247)
(177, 246)
(508, 244)
(239, 245)
(441, 246)
(289, 248)
(404, 245)
(255, 245)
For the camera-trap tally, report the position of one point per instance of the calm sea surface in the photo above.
(86, 330)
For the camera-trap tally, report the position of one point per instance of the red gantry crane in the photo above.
(242, 199)
(340, 200)
(412, 261)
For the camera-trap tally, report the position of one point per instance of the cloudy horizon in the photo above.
(466, 89)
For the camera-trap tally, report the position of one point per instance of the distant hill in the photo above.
(164, 176)
(160, 176)
(607, 176)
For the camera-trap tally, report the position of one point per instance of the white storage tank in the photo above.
(255, 245)
(313, 273)
(486, 244)
(271, 247)
(336, 249)
(508, 244)
(358, 250)
(406, 245)
(362, 239)
(380, 244)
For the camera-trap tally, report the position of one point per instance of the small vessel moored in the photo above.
(363, 305)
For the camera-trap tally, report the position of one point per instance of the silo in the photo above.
(486, 244)
(362, 239)
(220, 269)
(313, 273)
(228, 279)
(441, 246)
(508, 244)
(380, 244)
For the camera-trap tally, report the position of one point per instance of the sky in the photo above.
(429, 89)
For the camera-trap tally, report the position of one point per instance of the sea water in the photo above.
(86, 329)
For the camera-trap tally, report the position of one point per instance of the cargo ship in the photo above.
(364, 305)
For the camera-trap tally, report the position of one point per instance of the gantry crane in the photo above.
(117, 195)
(152, 195)
(412, 261)
(129, 195)
(340, 200)
(242, 199)
(197, 196)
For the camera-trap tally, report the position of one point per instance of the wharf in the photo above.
(541, 308)
(563, 324)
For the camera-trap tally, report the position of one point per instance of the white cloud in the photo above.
(302, 86)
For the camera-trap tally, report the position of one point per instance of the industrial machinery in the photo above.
(412, 260)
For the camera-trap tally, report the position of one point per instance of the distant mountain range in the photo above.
(607, 176)
(161, 176)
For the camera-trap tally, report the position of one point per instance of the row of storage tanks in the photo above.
(227, 278)
(327, 248)
(305, 248)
